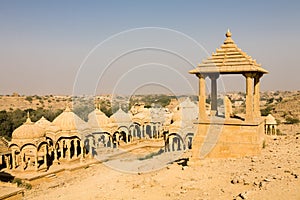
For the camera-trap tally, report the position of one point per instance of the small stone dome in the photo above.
(143, 117)
(69, 121)
(270, 120)
(43, 122)
(120, 117)
(97, 119)
(187, 111)
(28, 130)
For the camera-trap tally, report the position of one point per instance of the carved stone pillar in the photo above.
(13, 159)
(91, 148)
(75, 148)
(36, 164)
(171, 143)
(62, 146)
(45, 155)
(214, 97)
(257, 95)
(22, 160)
(69, 149)
(202, 97)
(55, 155)
(249, 97)
(81, 150)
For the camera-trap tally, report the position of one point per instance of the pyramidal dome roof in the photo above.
(97, 118)
(120, 117)
(69, 121)
(187, 111)
(270, 119)
(187, 103)
(228, 59)
(28, 130)
(43, 122)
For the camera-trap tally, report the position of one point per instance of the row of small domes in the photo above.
(66, 121)
(69, 121)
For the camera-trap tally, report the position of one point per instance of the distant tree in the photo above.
(279, 99)
(208, 100)
(5, 125)
(28, 98)
(9, 121)
(266, 111)
(37, 97)
(83, 110)
(292, 120)
(271, 100)
(220, 101)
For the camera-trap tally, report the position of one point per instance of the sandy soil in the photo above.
(272, 175)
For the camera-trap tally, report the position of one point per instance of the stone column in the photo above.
(249, 97)
(257, 95)
(8, 161)
(13, 159)
(151, 131)
(61, 146)
(126, 135)
(81, 150)
(91, 148)
(45, 155)
(22, 160)
(69, 150)
(55, 155)
(214, 97)
(144, 131)
(75, 148)
(170, 143)
(133, 132)
(202, 97)
(5, 159)
(36, 165)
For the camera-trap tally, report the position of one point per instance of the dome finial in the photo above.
(228, 33)
(28, 120)
(67, 108)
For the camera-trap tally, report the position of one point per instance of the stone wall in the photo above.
(228, 140)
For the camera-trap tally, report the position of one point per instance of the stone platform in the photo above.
(227, 138)
(10, 191)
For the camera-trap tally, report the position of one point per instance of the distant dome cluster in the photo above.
(68, 137)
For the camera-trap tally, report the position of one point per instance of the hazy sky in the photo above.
(65, 47)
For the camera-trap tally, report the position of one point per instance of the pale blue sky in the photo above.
(43, 43)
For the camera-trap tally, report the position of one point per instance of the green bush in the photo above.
(266, 111)
(18, 181)
(28, 98)
(21, 183)
(10, 120)
(291, 120)
(264, 144)
(271, 100)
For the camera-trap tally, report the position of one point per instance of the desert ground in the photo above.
(272, 175)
